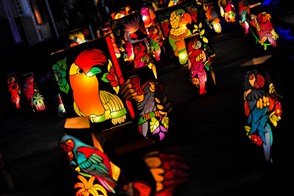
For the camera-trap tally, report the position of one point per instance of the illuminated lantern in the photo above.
(200, 61)
(164, 4)
(76, 37)
(266, 34)
(262, 105)
(154, 32)
(89, 80)
(14, 89)
(152, 105)
(32, 93)
(212, 17)
(169, 171)
(156, 41)
(148, 16)
(227, 10)
(124, 11)
(142, 58)
(127, 31)
(177, 23)
(97, 174)
(245, 14)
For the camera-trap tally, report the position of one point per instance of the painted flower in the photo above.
(157, 128)
(59, 72)
(38, 101)
(111, 77)
(256, 139)
(87, 188)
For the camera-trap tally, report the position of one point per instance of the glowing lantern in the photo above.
(32, 93)
(89, 79)
(177, 23)
(262, 106)
(14, 89)
(128, 31)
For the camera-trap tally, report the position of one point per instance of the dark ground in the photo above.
(207, 131)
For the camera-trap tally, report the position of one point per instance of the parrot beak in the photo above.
(73, 69)
(186, 19)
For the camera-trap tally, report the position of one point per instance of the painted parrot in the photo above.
(265, 29)
(152, 109)
(33, 95)
(212, 18)
(261, 108)
(142, 57)
(178, 21)
(88, 161)
(133, 34)
(29, 89)
(14, 90)
(89, 100)
(196, 65)
(244, 13)
(227, 10)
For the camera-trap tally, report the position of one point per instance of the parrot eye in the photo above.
(80, 71)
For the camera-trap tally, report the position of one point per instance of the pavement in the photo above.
(206, 130)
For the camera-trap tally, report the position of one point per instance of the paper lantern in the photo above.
(89, 78)
(99, 176)
(14, 89)
(77, 36)
(151, 104)
(31, 91)
(212, 17)
(265, 33)
(227, 10)
(245, 14)
(127, 31)
(142, 57)
(155, 36)
(262, 105)
(200, 63)
(177, 22)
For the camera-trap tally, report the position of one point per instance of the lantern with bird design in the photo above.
(89, 77)
(177, 22)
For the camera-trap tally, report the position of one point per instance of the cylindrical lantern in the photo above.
(14, 89)
(31, 92)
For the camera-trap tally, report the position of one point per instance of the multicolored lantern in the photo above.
(227, 10)
(32, 93)
(142, 57)
(244, 14)
(77, 36)
(155, 36)
(200, 61)
(97, 174)
(265, 32)
(152, 105)
(212, 17)
(14, 89)
(262, 106)
(177, 22)
(127, 31)
(89, 79)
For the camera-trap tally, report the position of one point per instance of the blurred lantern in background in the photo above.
(32, 93)
(14, 89)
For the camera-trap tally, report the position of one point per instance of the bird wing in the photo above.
(131, 88)
(114, 107)
(98, 165)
